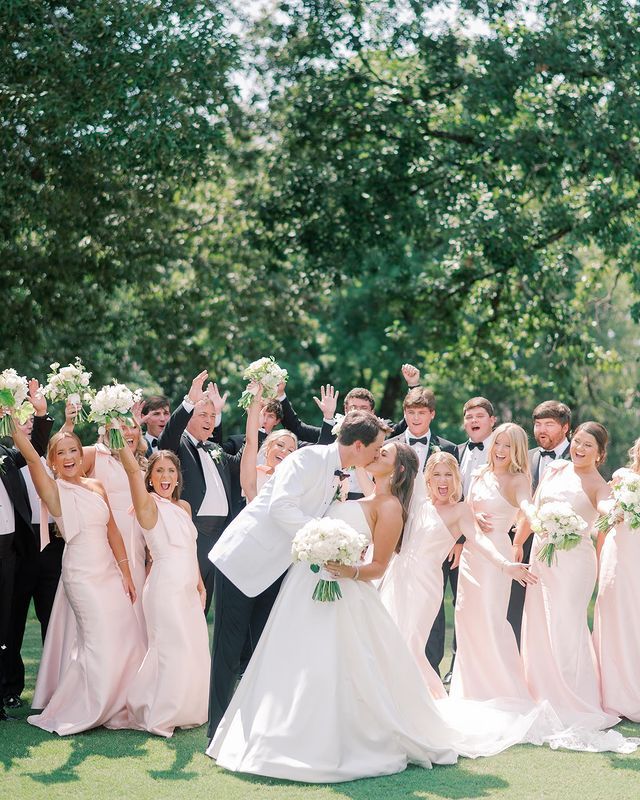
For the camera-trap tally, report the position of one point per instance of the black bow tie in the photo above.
(204, 445)
(154, 443)
(342, 475)
(473, 445)
(550, 453)
(422, 440)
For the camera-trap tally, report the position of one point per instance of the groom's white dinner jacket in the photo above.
(255, 549)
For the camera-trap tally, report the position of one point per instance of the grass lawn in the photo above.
(111, 764)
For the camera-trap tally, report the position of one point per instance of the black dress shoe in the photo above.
(13, 701)
(447, 678)
(4, 717)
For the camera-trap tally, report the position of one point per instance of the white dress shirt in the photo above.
(214, 502)
(7, 514)
(420, 450)
(546, 460)
(471, 461)
(150, 441)
(34, 498)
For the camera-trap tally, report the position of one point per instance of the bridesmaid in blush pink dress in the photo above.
(559, 659)
(616, 622)
(412, 587)
(488, 663)
(172, 687)
(98, 585)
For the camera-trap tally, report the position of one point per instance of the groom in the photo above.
(254, 552)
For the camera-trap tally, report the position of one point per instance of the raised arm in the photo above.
(170, 437)
(44, 483)
(292, 422)
(144, 505)
(249, 458)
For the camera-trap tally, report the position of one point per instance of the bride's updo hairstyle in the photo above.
(634, 456)
(405, 469)
(441, 457)
(600, 434)
(53, 443)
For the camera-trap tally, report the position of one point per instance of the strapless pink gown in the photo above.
(559, 659)
(172, 687)
(616, 622)
(488, 664)
(108, 653)
(412, 587)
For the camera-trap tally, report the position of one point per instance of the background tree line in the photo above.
(345, 185)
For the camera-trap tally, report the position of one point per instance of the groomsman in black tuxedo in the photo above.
(478, 421)
(155, 415)
(207, 471)
(419, 411)
(25, 572)
(551, 426)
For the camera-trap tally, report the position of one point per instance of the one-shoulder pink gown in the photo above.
(172, 687)
(559, 659)
(488, 664)
(107, 655)
(412, 587)
(616, 622)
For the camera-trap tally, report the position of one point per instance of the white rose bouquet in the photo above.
(626, 502)
(323, 540)
(69, 384)
(266, 372)
(14, 390)
(559, 524)
(113, 404)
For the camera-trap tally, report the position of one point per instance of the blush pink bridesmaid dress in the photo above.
(412, 587)
(616, 622)
(107, 653)
(488, 664)
(559, 659)
(172, 687)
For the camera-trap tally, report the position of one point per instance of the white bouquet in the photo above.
(266, 372)
(626, 501)
(14, 391)
(69, 384)
(559, 524)
(113, 404)
(323, 540)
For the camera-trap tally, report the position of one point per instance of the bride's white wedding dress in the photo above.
(332, 693)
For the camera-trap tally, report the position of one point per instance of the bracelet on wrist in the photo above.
(122, 560)
(356, 574)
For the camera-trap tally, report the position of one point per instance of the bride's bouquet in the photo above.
(266, 372)
(14, 391)
(323, 540)
(69, 384)
(113, 404)
(626, 502)
(559, 524)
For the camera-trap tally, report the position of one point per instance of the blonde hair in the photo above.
(441, 457)
(519, 444)
(634, 456)
(53, 443)
(273, 437)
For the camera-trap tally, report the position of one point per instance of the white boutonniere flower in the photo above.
(215, 453)
(2, 458)
(435, 449)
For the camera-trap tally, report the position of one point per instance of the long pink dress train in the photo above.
(412, 587)
(108, 653)
(172, 687)
(559, 659)
(616, 622)
(488, 664)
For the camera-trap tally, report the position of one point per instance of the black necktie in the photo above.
(422, 440)
(473, 445)
(342, 475)
(550, 453)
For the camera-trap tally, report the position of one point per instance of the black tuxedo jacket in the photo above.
(534, 463)
(235, 442)
(174, 438)
(26, 542)
(434, 441)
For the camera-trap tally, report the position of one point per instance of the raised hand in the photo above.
(328, 401)
(136, 412)
(196, 392)
(217, 400)
(37, 398)
(411, 374)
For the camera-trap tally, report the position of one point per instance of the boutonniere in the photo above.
(2, 458)
(436, 449)
(215, 453)
(342, 487)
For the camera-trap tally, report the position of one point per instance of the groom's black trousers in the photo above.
(238, 622)
(434, 649)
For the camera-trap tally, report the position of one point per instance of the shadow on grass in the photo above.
(450, 782)
(184, 746)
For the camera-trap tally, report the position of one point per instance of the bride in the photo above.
(332, 693)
